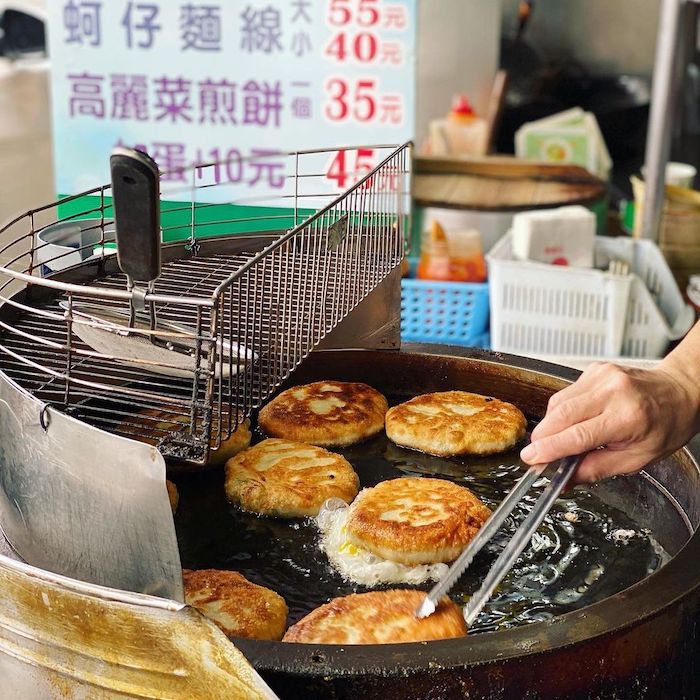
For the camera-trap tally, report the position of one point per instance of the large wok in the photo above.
(638, 643)
(641, 642)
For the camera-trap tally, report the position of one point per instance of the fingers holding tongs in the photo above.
(559, 473)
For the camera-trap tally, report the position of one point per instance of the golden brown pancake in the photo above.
(173, 495)
(415, 520)
(378, 617)
(240, 608)
(453, 423)
(325, 413)
(288, 479)
(152, 425)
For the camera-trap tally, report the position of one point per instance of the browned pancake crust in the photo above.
(416, 520)
(378, 617)
(325, 413)
(240, 608)
(288, 479)
(152, 425)
(173, 495)
(453, 423)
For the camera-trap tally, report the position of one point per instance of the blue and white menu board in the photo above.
(193, 82)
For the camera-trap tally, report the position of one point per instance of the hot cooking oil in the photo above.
(584, 551)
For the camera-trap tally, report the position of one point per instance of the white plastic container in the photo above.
(678, 174)
(492, 225)
(450, 138)
(540, 309)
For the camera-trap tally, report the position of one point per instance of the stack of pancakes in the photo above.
(410, 521)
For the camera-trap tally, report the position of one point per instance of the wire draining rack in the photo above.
(251, 306)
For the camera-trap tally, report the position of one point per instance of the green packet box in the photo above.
(570, 137)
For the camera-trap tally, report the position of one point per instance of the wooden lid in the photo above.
(501, 184)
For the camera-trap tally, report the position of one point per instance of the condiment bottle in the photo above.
(458, 258)
(462, 112)
(462, 132)
(467, 262)
(434, 263)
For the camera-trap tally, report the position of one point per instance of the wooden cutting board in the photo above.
(501, 184)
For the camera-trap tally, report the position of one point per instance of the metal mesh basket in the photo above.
(249, 286)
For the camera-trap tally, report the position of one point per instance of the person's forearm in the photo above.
(623, 417)
(684, 364)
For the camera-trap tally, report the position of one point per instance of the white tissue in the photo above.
(564, 236)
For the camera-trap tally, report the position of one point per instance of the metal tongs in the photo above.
(559, 473)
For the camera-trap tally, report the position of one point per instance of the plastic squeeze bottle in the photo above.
(462, 132)
(467, 262)
(462, 112)
(458, 258)
(434, 263)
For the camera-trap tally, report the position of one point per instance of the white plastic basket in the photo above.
(548, 310)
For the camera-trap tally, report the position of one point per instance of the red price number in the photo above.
(347, 167)
(362, 47)
(351, 99)
(364, 13)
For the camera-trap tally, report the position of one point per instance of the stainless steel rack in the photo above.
(250, 306)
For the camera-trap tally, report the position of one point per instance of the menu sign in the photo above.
(236, 81)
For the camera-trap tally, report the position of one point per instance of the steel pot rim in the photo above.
(677, 579)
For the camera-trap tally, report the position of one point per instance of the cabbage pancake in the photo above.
(416, 520)
(288, 479)
(330, 414)
(453, 423)
(378, 617)
(240, 608)
(152, 425)
(359, 565)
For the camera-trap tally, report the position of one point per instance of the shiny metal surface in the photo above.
(563, 470)
(643, 639)
(375, 323)
(81, 502)
(64, 506)
(61, 638)
(666, 86)
(275, 303)
(485, 533)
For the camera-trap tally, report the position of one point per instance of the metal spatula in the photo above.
(559, 472)
(136, 336)
(168, 349)
(136, 202)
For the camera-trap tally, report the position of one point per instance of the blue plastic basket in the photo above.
(450, 313)
(482, 341)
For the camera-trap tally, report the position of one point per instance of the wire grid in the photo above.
(249, 317)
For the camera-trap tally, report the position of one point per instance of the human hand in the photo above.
(637, 416)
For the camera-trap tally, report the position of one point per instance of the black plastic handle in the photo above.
(136, 201)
